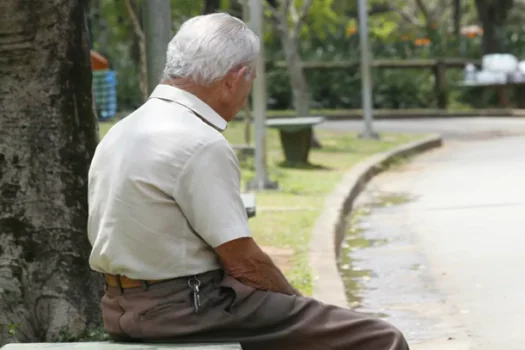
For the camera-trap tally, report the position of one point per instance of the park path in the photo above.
(471, 128)
(445, 258)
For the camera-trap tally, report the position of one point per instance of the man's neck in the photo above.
(208, 95)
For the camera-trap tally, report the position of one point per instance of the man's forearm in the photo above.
(263, 275)
(267, 278)
(245, 261)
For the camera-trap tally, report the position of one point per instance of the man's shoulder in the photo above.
(177, 117)
(169, 129)
(214, 143)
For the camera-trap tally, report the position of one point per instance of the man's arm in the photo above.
(244, 260)
(208, 192)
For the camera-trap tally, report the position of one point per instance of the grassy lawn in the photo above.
(285, 218)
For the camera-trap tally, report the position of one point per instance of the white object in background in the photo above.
(488, 77)
(501, 63)
(487, 62)
(470, 73)
(516, 77)
(510, 63)
(521, 66)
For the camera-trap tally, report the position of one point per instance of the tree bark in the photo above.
(300, 92)
(140, 37)
(157, 26)
(289, 44)
(426, 14)
(492, 15)
(211, 6)
(457, 19)
(47, 139)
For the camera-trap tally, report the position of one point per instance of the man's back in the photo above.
(135, 224)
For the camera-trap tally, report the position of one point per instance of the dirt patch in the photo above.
(280, 256)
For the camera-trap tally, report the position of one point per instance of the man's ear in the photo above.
(236, 77)
(245, 72)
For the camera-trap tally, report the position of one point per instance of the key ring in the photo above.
(194, 283)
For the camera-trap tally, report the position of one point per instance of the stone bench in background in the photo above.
(296, 136)
(248, 199)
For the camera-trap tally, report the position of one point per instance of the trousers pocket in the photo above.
(162, 308)
(168, 319)
(239, 291)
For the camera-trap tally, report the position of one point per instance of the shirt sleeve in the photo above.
(208, 193)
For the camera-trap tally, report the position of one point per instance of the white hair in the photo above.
(207, 47)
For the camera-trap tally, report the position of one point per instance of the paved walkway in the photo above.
(449, 128)
(448, 266)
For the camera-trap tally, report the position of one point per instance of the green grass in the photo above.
(285, 218)
(455, 109)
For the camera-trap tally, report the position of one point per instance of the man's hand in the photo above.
(244, 260)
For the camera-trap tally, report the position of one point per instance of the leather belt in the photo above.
(117, 281)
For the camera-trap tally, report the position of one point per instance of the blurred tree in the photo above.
(47, 139)
(399, 29)
(492, 15)
(140, 38)
(158, 30)
(457, 18)
(211, 6)
(285, 13)
(288, 22)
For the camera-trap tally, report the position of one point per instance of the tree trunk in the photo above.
(490, 41)
(457, 19)
(236, 9)
(299, 84)
(139, 38)
(492, 14)
(157, 26)
(429, 20)
(47, 138)
(211, 6)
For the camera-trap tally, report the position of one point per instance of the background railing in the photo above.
(437, 66)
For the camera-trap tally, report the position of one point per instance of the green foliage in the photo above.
(331, 33)
(181, 10)
(322, 19)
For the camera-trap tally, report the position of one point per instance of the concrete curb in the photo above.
(330, 227)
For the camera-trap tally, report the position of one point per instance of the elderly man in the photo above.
(168, 226)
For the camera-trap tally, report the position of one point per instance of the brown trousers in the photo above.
(233, 312)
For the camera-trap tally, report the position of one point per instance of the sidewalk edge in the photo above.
(330, 226)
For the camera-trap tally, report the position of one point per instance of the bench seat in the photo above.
(248, 198)
(296, 136)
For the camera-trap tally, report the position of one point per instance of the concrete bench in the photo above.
(503, 90)
(120, 346)
(296, 136)
(249, 203)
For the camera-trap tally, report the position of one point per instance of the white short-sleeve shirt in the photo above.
(164, 190)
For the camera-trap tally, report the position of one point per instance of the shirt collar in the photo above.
(187, 99)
